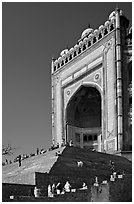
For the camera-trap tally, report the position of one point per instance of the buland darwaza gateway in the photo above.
(92, 89)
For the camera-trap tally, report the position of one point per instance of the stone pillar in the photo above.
(110, 112)
(119, 82)
(102, 122)
(58, 112)
(52, 101)
(99, 143)
(81, 140)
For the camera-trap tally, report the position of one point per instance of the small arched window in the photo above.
(74, 53)
(84, 47)
(111, 27)
(62, 63)
(100, 36)
(79, 51)
(90, 138)
(66, 60)
(105, 31)
(95, 137)
(54, 68)
(89, 43)
(94, 39)
(70, 57)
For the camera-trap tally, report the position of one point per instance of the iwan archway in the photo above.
(84, 118)
(91, 89)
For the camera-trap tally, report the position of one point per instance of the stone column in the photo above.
(81, 140)
(119, 82)
(99, 143)
(52, 101)
(102, 122)
(109, 94)
(58, 112)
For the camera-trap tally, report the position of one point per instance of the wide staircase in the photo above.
(42, 170)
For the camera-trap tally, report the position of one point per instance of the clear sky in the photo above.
(33, 33)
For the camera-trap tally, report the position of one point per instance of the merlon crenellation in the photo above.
(88, 38)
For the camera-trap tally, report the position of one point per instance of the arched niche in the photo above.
(83, 115)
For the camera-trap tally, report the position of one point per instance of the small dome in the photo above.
(71, 50)
(80, 43)
(101, 27)
(59, 58)
(76, 46)
(64, 52)
(112, 15)
(91, 35)
(86, 32)
(55, 61)
(85, 39)
(106, 23)
(96, 31)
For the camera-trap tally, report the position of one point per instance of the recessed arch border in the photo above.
(84, 84)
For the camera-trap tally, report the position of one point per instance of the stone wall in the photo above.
(42, 182)
(16, 189)
(100, 193)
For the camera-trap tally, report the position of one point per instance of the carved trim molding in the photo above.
(84, 44)
(108, 46)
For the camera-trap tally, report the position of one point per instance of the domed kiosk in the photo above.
(86, 32)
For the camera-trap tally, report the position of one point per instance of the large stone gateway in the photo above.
(91, 89)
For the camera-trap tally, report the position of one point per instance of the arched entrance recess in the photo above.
(83, 118)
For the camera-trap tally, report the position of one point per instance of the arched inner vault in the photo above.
(83, 117)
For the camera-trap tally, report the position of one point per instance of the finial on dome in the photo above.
(87, 31)
(116, 8)
(112, 15)
(53, 59)
(64, 52)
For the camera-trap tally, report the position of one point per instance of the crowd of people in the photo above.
(59, 189)
(20, 157)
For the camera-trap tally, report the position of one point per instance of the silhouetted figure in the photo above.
(71, 143)
(67, 187)
(6, 161)
(63, 142)
(58, 188)
(3, 163)
(32, 154)
(57, 153)
(37, 151)
(84, 186)
(36, 192)
(19, 160)
(112, 166)
(53, 142)
(49, 191)
(53, 189)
